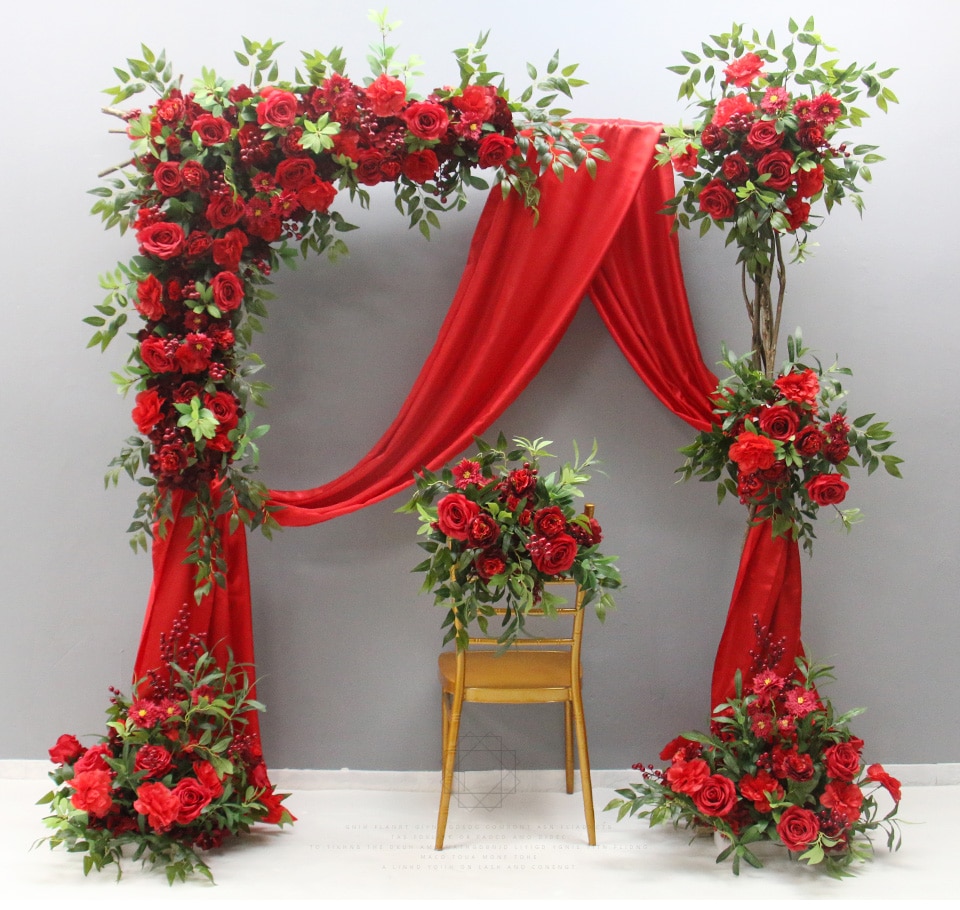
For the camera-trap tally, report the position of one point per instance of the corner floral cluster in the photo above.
(226, 183)
(765, 149)
(784, 446)
(175, 773)
(778, 765)
(503, 530)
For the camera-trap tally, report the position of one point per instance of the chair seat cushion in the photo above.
(528, 675)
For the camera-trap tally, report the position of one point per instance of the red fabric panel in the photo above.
(768, 587)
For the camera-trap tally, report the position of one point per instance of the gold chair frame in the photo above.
(535, 670)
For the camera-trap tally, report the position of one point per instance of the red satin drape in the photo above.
(522, 282)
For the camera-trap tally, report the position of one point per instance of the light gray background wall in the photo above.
(345, 642)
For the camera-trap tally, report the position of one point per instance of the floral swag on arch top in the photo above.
(226, 181)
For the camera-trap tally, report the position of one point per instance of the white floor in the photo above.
(377, 844)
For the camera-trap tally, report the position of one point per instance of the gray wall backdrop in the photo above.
(345, 643)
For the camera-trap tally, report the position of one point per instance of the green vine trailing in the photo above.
(228, 182)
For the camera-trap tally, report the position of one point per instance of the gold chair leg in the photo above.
(568, 743)
(585, 782)
(451, 733)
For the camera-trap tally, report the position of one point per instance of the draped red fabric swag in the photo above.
(604, 238)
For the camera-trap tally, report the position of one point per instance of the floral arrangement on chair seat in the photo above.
(778, 765)
(501, 530)
(175, 772)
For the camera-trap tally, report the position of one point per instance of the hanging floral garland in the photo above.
(229, 181)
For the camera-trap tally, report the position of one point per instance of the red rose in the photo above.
(193, 798)
(810, 182)
(454, 514)
(760, 789)
(736, 169)
(713, 138)
(798, 828)
(223, 406)
(385, 95)
(368, 167)
(194, 175)
(842, 761)
(66, 749)
(717, 200)
(489, 563)
(317, 196)
(155, 354)
(161, 240)
(686, 776)
(763, 136)
(845, 799)
(717, 797)
(295, 173)
(197, 244)
(212, 130)
(420, 166)
(483, 531)
(166, 176)
(278, 108)
(495, 149)
(779, 421)
(553, 555)
(809, 441)
(224, 210)
(426, 120)
(159, 804)
(742, 71)
(150, 298)
(147, 411)
(94, 759)
(777, 166)
(550, 521)
(753, 453)
(92, 792)
(227, 291)
(800, 387)
(827, 489)
(892, 785)
(154, 760)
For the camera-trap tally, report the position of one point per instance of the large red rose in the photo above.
(495, 149)
(223, 406)
(157, 356)
(92, 792)
(550, 521)
(717, 200)
(193, 797)
(776, 166)
(295, 173)
(208, 776)
(780, 421)
(227, 291)
(148, 410)
(66, 749)
(162, 240)
(154, 760)
(212, 130)
(809, 441)
(553, 555)
(94, 759)
(159, 804)
(736, 169)
(317, 196)
(426, 120)
(827, 489)
(763, 136)
(278, 108)
(166, 176)
(842, 761)
(483, 531)
(717, 797)
(454, 514)
(753, 453)
(385, 95)
(224, 209)
(798, 828)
